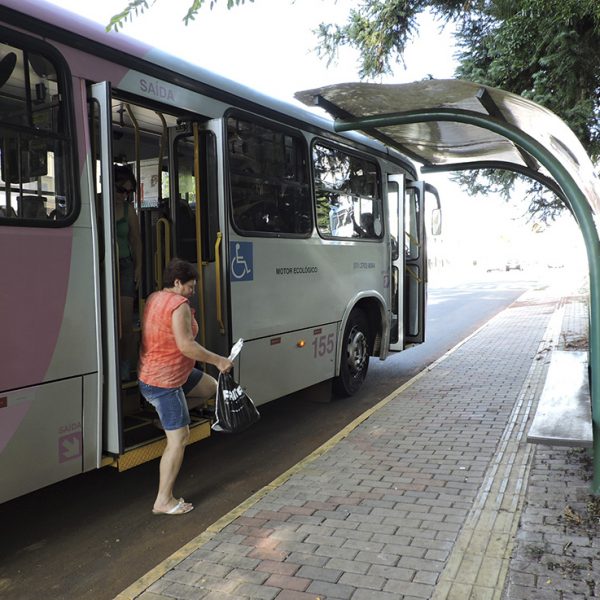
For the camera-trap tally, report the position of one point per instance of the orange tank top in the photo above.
(161, 362)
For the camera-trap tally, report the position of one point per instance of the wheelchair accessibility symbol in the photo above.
(241, 261)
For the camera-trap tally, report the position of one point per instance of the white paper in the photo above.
(235, 349)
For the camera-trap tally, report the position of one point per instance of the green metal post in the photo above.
(578, 204)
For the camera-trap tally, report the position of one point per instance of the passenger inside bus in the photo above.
(32, 207)
(129, 248)
(367, 226)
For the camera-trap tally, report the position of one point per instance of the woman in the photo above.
(167, 372)
(129, 246)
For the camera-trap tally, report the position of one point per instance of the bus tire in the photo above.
(354, 360)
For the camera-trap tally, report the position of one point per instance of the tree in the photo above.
(136, 7)
(545, 50)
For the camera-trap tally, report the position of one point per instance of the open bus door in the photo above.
(410, 308)
(415, 265)
(175, 166)
(415, 262)
(101, 127)
(395, 226)
(408, 269)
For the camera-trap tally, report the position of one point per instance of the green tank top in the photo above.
(122, 230)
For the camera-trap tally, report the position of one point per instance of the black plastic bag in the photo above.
(234, 410)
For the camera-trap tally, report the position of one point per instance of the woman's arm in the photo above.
(188, 346)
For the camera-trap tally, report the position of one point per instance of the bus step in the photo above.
(137, 455)
(131, 422)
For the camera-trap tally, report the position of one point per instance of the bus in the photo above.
(310, 245)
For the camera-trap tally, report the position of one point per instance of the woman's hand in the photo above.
(223, 364)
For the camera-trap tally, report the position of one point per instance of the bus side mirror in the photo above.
(436, 221)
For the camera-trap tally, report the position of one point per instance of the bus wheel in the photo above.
(355, 355)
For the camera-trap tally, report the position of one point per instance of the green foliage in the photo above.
(544, 206)
(380, 31)
(136, 7)
(547, 51)
(545, 54)
(544, 50)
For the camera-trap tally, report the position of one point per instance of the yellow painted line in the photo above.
(138, 587)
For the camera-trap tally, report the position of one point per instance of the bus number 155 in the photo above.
(322, 345)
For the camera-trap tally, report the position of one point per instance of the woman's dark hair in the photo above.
(124, 173)
(179, 269)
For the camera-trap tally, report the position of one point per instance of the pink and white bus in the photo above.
(310, 244)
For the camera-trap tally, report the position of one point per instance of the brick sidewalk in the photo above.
(557, 550)
(419, 498)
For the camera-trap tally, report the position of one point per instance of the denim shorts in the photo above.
(170, 403)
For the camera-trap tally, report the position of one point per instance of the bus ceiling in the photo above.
(448, 124)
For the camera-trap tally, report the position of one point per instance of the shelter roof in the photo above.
(429, 121)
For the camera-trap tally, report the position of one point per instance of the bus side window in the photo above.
(270, 192)
(36, 148)
(349, 203)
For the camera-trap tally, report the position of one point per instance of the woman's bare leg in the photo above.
(170, 463)
(204, 390)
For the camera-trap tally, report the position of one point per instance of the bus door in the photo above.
(415, 261)
(101, 135)
(197, 237)
(129, 134)
(395, 228)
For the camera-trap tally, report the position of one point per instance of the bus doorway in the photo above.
(170, 161)
(415, 264)
(415, 257)
(408, 264)
(197, 235)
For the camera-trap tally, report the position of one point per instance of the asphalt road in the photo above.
(91, 536)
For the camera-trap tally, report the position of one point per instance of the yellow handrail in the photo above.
(412, 274)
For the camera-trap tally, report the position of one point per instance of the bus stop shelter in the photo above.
(450, 125)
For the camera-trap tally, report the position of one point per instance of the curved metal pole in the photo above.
(575, 198)
(498, 164)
